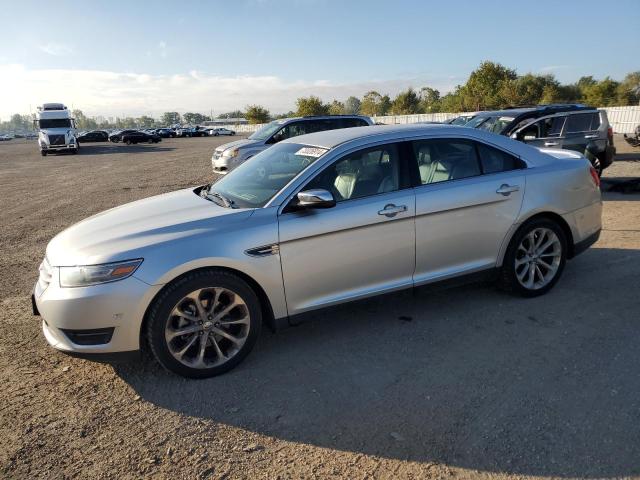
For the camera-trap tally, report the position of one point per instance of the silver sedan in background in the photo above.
(313, 221)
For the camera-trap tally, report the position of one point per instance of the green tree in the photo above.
(484, 86)
(312, 105)
(601, 94)
(146, 122)
(194, 118)
(83, 122)
(336, 108)
(629, 90)
(429, 100)
(234, 114)
(374, 104)
(406, 103)
(352, 106)
(255, 114)
(169, 118)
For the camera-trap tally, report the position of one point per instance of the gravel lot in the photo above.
(465, 382)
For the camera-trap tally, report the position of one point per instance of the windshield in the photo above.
(495, 124)
(257, 180)
(475, 122)
(461, 120)
(266, 131)
(55, 123)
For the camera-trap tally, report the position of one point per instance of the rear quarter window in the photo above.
(582, 122)
(494, 160)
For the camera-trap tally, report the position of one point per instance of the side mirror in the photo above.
(316, 198)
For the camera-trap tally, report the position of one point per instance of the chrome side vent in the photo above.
(263, 251)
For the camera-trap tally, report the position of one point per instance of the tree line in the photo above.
(491, 86)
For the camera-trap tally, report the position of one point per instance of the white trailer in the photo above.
(56, 129)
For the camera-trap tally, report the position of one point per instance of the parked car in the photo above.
(93, 136)
(228, 156)
(313, 221)
(116, 136)
(5, 138)
(166, 132)
(140, 137)
(214, 132)
(570, 127)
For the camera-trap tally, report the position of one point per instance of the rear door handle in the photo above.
(392, 210)
(591, 136)
(550, 144)
(507, 189)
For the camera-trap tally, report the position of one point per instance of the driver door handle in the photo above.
(591, 135)
(506, 190)
(550, 144)
(392, 210)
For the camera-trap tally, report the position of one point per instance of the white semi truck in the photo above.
(56, 129)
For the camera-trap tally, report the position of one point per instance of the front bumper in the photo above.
(95, 320)
(57, 148)
(220, 165)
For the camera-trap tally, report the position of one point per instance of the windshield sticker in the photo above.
(311, 151)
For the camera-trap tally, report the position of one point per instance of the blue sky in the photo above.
(117, 58)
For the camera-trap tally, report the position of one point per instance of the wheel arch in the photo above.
(557, 218)
(268, 316)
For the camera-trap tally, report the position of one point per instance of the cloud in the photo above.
(553, 68)
(107, 93)
(56, 49)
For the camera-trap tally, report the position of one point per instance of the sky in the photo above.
(125, 58)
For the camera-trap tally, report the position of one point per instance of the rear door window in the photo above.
(446, 159)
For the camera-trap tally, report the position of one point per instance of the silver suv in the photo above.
(228, 156)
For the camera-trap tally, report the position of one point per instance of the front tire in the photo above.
(204, 324)
(43, 153)
(535, 258)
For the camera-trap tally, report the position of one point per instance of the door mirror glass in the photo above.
(315, 198)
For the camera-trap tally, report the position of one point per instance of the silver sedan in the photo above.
(313, 221)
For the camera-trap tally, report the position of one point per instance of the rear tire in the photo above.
(196, 303)
(535, 258)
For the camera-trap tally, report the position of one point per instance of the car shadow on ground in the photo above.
(106, 148)
(466, 376)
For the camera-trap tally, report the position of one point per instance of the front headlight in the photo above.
(231, 153)
(82, 276)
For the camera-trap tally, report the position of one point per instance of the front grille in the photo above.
(46, 273)
(56, 139)
(97, 336)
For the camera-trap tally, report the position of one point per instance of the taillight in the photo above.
(594, 176)
(610, 135)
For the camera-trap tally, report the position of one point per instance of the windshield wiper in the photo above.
(227, 202)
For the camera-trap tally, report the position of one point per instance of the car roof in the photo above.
(332, 138)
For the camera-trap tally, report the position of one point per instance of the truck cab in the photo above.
(56, 129)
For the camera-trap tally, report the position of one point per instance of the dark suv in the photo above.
(570, 127)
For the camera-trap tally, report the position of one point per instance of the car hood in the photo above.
(238, 143)
(134, 229)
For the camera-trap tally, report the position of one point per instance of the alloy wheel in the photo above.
(538, 258)
(207, 327)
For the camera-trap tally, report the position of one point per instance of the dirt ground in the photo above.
(462, 383)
